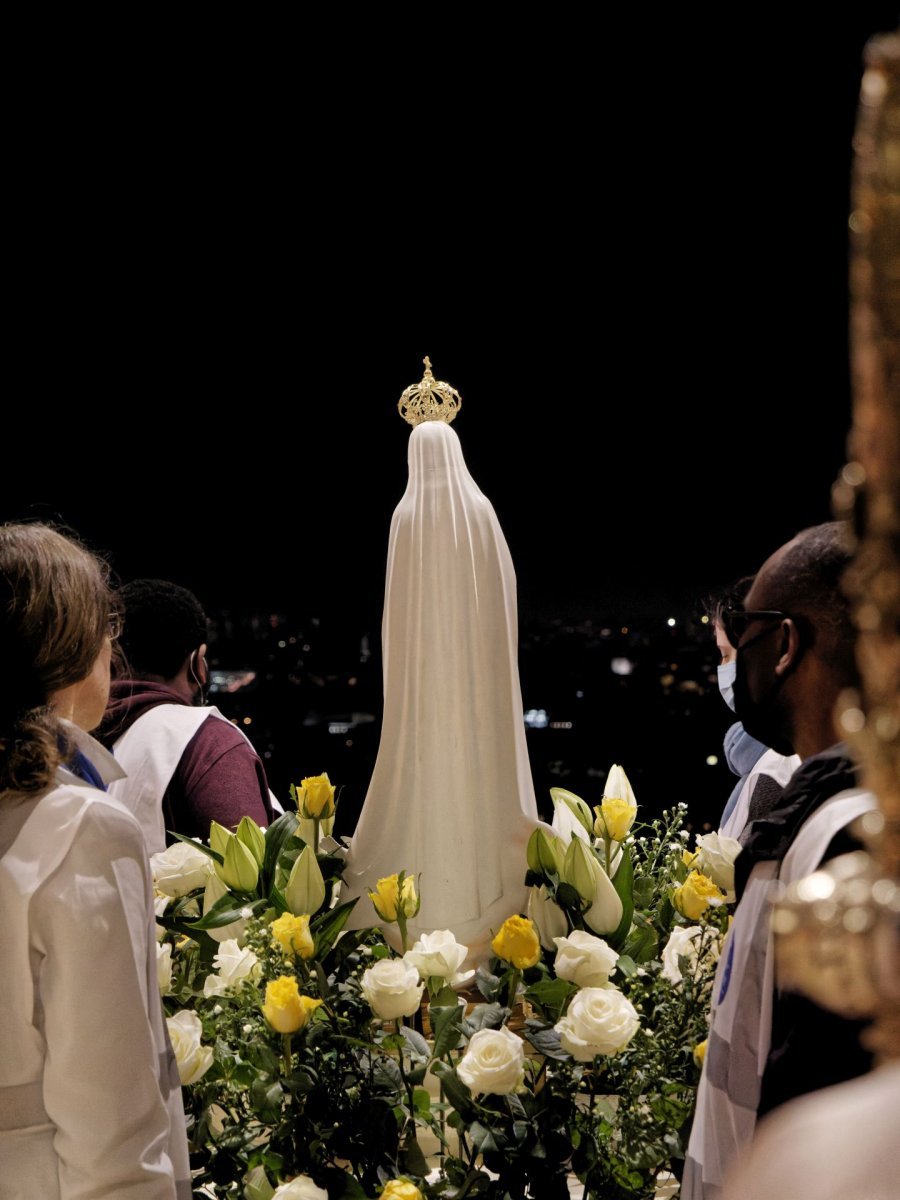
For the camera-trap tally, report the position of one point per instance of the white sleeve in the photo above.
(101, 1077)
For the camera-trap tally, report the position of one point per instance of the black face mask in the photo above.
(759, 716)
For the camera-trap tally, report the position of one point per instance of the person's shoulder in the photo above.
(99, 816)
(218, 733)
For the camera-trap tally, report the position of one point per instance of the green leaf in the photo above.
(197, 845)
(411, 1157)
(455, 1091)
(551, 995)
(224, 911)
(545, 1039)
(416, 1041)
(484, 1016)
(641, 944)
(484, 1139)
(643, 891)
(447, 1026)
(444, 996)
(327, 925)
(623, 882)
(277, 835)
(627, 966)
(342, 1185)
(487, 983)
(568, 897)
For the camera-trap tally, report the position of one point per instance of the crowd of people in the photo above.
(89, 1102)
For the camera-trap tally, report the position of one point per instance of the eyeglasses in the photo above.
(736, 621)
(115, 626)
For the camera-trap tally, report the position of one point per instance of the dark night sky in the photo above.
(635, 277)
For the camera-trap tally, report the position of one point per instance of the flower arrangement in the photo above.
(574, 1052)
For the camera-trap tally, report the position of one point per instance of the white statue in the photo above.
(451, 797)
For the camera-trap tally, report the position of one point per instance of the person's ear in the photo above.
(790, 647)
(202, 665)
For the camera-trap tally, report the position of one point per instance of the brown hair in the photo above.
(54, 615)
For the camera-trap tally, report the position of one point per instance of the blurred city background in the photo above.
(308, 692)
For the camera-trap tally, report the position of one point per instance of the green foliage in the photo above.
(354, 1101)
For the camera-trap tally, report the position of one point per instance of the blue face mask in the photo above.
(726, 673)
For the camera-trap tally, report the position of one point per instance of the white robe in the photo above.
(451, 796)
(89, 1105)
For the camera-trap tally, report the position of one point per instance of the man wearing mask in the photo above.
(186, 764)
(794, 644)
(762, 773)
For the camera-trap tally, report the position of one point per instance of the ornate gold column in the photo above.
(839, 929)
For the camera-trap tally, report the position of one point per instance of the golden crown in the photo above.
(430, 400)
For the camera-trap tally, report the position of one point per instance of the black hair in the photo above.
(162, 624)
(729, 597)
(807, 581)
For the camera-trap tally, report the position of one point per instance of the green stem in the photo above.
(513, 988)
(401, 925)
(316, 836)
(286, 1045)
(406, 1083)
(591, 1111)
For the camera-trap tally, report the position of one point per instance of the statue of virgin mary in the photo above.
(451, 798)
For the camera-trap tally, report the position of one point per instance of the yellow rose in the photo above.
(389, 897)
(614, 818)
(315, 797)
(401, 1189)
(386, 897)
(284, 1008)
(700, 1052)
(695, 895)
(689, 857)
(517, 943)
(409, 901)
(293, 936)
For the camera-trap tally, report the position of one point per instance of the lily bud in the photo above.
(545, 854)
(546, 916)
(253, 838)
(587, 877)
(240, 870)
(219, 837)
(578, 869)
(566, 806)
(305, 891)
(617, 786)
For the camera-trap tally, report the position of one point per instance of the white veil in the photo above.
(451, 796)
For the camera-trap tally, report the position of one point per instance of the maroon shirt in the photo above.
(220, 777)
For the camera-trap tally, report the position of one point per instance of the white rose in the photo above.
(684, 942)
(599, 1021)
(160, 903)
(716, 855)
(439, 955)
(584, 959)
(164, 968)
(215, 985)
(180, 869)
(392, 988)
(301, 1188)
(193, 1059)
(494, 1062)
(234, 964)
(546, 915)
